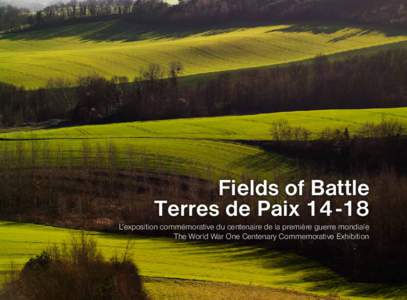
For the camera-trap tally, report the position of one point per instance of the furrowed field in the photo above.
(243, 268)
(111, 48)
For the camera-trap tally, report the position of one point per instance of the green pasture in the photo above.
(203, 147)
(165, 258)
(246, 127)
(197, 158)
(122, 48)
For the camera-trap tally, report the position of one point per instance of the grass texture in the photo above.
(246, 127)
(207, 148)
(166, 289)
(210, 263)
(114, 47)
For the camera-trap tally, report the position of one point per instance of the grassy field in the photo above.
(204, 147)
(175, 270)
(188, 268)
(197, 158)
(119, 48)
(247, 127)
(166, 289)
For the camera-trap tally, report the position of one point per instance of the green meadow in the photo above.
(207, 148)
(197, 158)
(165, 262)
(246, 127)
(114, 47)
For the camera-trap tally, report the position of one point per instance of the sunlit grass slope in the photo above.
(165, 289)
(197, 158)
(207, 148)
(120, 48)
(246, 127)
(164, 258)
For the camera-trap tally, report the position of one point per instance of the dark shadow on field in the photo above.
(331, 28)
(260, 162)
(11, 223)
(126, 30)
(321, 279)
(304, 270)
(274, 263)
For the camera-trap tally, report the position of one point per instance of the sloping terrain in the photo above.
(246, 127)
(206, 148)
(206, 263)
(199, 148)
(121, 48)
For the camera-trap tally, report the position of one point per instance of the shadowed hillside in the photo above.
(367, 11)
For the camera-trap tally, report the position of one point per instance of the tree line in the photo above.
(364, 11)
(12, 17)
(74, 9)
(158, 92)
(209, 11)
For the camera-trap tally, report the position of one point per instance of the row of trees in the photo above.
(208, 11)
(367, 11)
(142, 9)
(378, 11)
(95, 99)
(12, 17)
(151, 10)
(371, 148)
(378, 80)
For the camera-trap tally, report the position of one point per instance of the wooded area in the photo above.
(379, 80)
(209, 11)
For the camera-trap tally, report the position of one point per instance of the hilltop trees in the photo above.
(366, 11)
(209, 11)
(379, 80)
(12, 17)
(142, 9)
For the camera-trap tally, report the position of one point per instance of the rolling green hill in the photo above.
(247, 127)
(204, 147)
(210, 263)
(197, 158)
(115, 47)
